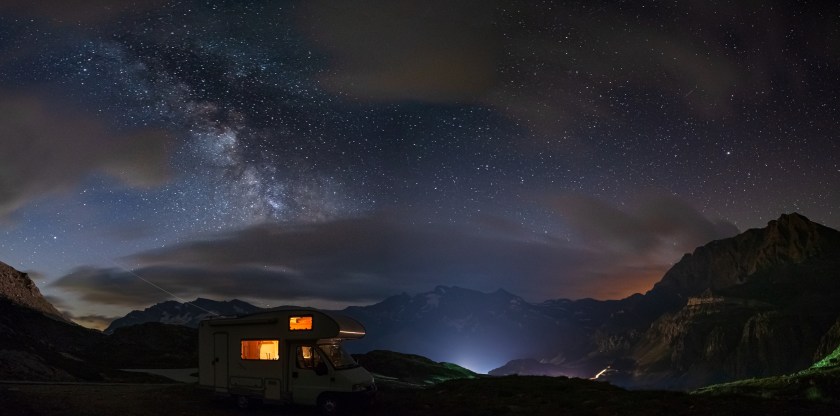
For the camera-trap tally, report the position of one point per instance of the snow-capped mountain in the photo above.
(475, 329)
(188, 314)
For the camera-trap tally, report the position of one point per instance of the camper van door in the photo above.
(309, 373)
(220, 360)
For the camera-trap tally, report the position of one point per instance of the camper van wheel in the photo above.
(328, 405)
(243, 402)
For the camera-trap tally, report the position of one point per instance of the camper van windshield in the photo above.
(338, 356)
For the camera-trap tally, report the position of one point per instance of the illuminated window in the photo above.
(300, 323)
(307, 357)
(260, 349)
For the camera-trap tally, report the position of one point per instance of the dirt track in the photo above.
(124, 400)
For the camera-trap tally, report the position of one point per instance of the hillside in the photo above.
(37, 344)
(19, 289)
(408, 370)
(819, 383)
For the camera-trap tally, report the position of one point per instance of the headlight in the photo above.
(361, 387)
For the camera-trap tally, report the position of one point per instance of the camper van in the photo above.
(284, 356)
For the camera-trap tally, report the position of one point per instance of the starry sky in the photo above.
(335, 153)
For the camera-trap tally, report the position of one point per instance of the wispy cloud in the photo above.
(49, 148)
(368, 258)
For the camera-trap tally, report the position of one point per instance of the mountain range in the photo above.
(761, 303)
(186, 314)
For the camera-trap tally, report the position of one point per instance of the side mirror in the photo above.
(321, 369)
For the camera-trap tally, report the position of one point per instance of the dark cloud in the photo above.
(551, 66)
(365, 259)
(139, 287)
(385, 50)
(74, 12)
(634, 247)
(658, 221)
(49, 148)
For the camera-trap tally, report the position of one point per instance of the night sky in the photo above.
(335, 153)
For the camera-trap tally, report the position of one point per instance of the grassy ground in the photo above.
(515, 395)
(520, 395)
(812, 385)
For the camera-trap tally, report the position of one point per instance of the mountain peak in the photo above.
(440, 289)
(793, 217)
(20, 289)
(792, 221)
(790, 239)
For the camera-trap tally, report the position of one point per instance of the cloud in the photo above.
(71, 12)
(94, 321)
(385, 50)
(634, 247)
(50, 148)
(658, 221)
(549, 67)
(365, 259)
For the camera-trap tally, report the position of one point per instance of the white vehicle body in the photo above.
(286, 356)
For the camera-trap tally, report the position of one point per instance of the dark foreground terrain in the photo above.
(514, 395)
(123, 400)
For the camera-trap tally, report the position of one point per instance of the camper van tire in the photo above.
(328, 405)
(244, 402)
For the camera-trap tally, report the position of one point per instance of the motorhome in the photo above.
(285, 356)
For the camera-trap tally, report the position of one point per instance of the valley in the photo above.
(756, 312)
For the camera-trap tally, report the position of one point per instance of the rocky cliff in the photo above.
(790, 240)
(760, 304)
(18, 288)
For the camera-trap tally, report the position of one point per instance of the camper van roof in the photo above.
(347, 327)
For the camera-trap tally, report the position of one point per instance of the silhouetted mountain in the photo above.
(479, 330)
(36, 346)
(761, 303)
(36, 343)
(187, 314)
(745, 260)
(18, 288)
